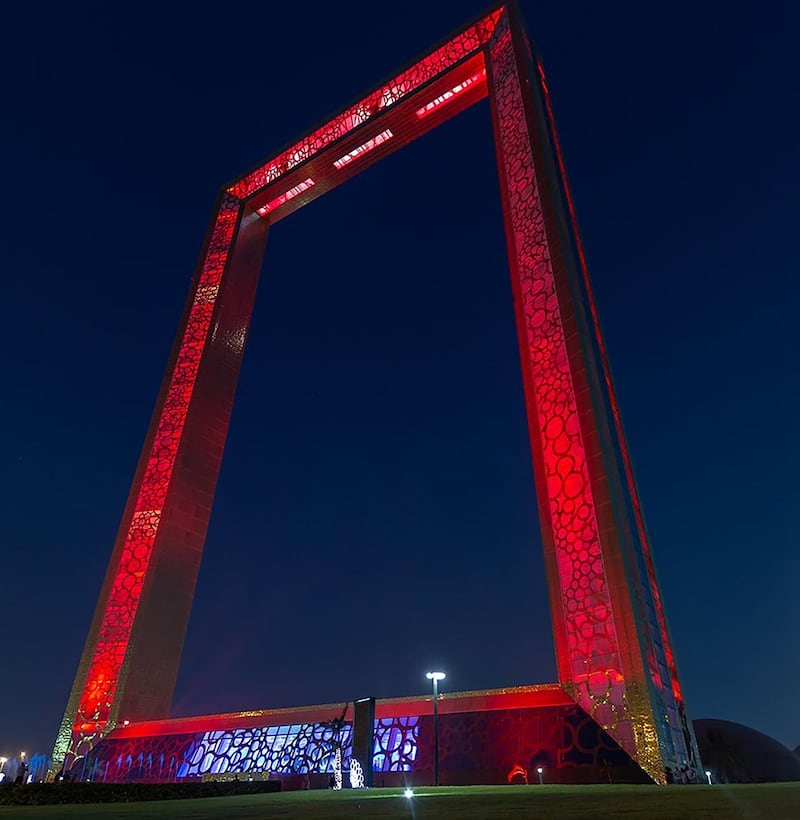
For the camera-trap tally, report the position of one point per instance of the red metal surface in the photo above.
(523, 697)
(103, 675)
(430, 67)
(131, 656)
(590, 644)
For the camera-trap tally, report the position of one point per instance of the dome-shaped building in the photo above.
(735, 753)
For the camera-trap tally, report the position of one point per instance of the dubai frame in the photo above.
(613, 649)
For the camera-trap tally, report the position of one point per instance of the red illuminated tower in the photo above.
(613, 648)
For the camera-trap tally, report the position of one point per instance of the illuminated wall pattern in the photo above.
(104, 670)
(299, 749)
(662, 667)
(612, 643)
(589, 622)
(294, 749)
(282, 750)
(401, 86)
(613, 649)
(564, 739)
(396, 741)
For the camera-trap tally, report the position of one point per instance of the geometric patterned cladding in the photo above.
(483, 735)
(281, 750)
(613, 649)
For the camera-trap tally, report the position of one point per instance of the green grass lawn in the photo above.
(779, 801)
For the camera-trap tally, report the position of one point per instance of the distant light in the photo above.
(435, 675)
(408, 793)
(290, 194)
(453, 92)
(125, 722)
(362, 149)
(22, 754)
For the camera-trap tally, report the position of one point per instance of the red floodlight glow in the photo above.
(452, 93)
(363, 149)
(613, 650)
(290, 194)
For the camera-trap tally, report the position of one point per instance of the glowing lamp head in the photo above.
(125, 722)
(408, 793)
(437, 676)
(708, 774)
(540, 769)
(22, 754)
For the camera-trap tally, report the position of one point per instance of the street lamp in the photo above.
(708, 775)
(540, 772)
(435, 677)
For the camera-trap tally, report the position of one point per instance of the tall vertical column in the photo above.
(612, 646)
(130, 660)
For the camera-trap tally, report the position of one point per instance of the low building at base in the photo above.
(485, 737)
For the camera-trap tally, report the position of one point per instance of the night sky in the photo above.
(375, 513)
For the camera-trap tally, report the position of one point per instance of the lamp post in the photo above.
(708, 775)
(435, 677)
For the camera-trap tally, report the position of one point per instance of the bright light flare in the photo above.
(363, 148)
(435, 675)
(408, 793)
(283, 198)
(451, 94)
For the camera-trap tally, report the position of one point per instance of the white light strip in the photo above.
(453, 92)
(362, 149)
(290, 194)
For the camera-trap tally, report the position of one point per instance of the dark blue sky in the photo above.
(378, 452)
